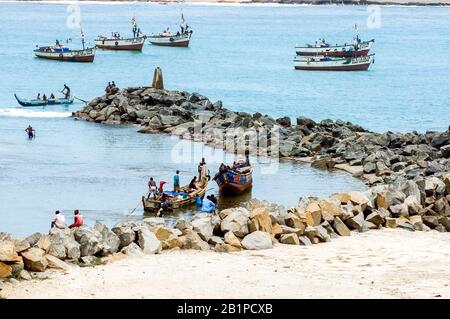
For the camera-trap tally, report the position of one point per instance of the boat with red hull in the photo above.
(62, 53)
(321, 63)
(234, 181)
(117, 43)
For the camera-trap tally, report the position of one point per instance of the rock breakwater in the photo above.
(378, 158)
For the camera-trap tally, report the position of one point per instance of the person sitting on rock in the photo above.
(58, 221)
(78, 219)
(208, 206)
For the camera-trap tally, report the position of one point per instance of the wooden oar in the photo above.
(81, 99)
(140, 201)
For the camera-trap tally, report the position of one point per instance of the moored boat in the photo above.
(322, 63)
(171, 40)
(320, 47)
(26, 102)
(62, 53)
(177, 200)
(234, 180)
(167, 38)
(115, 43)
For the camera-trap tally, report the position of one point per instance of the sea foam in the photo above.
(19, 112)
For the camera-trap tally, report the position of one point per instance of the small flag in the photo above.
(356, 27)
(82, 33)
(182, 18)
(133, 20)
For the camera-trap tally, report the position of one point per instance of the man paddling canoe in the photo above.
(66, 91)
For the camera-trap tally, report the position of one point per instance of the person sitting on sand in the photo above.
(193, 185)
(58, 221)
(78, 219)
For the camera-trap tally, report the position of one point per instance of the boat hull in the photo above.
(337, 51)
(70, 56)
(132, 44)
(152, 206)
(170, 41)
(29, 103)
(231, 182)
(344, 64)
(234, 189)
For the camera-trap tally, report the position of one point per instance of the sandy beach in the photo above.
(376, 264)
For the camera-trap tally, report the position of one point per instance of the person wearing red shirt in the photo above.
(78, 219)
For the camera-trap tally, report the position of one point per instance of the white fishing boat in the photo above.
(320, 47)
(118, 43)
(325, 63)
(167, 38)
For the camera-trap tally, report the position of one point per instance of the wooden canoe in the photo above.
(25, 102)
(153, 205)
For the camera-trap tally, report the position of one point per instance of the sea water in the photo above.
(240, 54)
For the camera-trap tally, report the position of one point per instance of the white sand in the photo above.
(375, 264)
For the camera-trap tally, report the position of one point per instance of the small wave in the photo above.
(16, 112)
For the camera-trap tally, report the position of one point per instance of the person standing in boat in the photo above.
(176, 182)
(151, 188)
(66, 91)
(78, 219)
(30, 131)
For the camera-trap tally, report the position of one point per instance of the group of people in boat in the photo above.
(111, 88)
(236, 165)
(183, 30)
(65, 91)
(59, 221)
(180, 193)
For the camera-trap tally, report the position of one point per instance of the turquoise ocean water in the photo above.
(241, 54)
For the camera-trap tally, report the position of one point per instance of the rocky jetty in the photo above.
(421, 205)
(377, 158)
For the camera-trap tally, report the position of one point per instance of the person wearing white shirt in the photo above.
(59, 221)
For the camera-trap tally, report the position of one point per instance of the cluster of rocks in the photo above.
(413, 205)
(377, 158)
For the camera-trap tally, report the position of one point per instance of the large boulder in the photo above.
(359, 198)
(33, 239)
(57, 248)
(257, 240)
(236, 221)
(148, 241)
(132, 250)
(8, 251)
(290, 239)
(168, 237)
(182, 224)
(203, 227)
(89, 240)
(109, 240)
(125, 233)
(231, 239)
(340, 227)
(56, 263)
(191, 240)
(313, 214)
(260, 220)
(34, 259)
(329, 210)
(5, 270)
(153, 222)
(21, 245)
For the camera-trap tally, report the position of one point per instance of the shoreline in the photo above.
(378, 264)
(401, 3)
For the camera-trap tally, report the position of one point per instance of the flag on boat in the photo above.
(133, 20)
(182, 18)
(82, 34)
(356, 27)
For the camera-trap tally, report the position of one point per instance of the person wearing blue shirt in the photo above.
(208, 206)
(176, 182)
